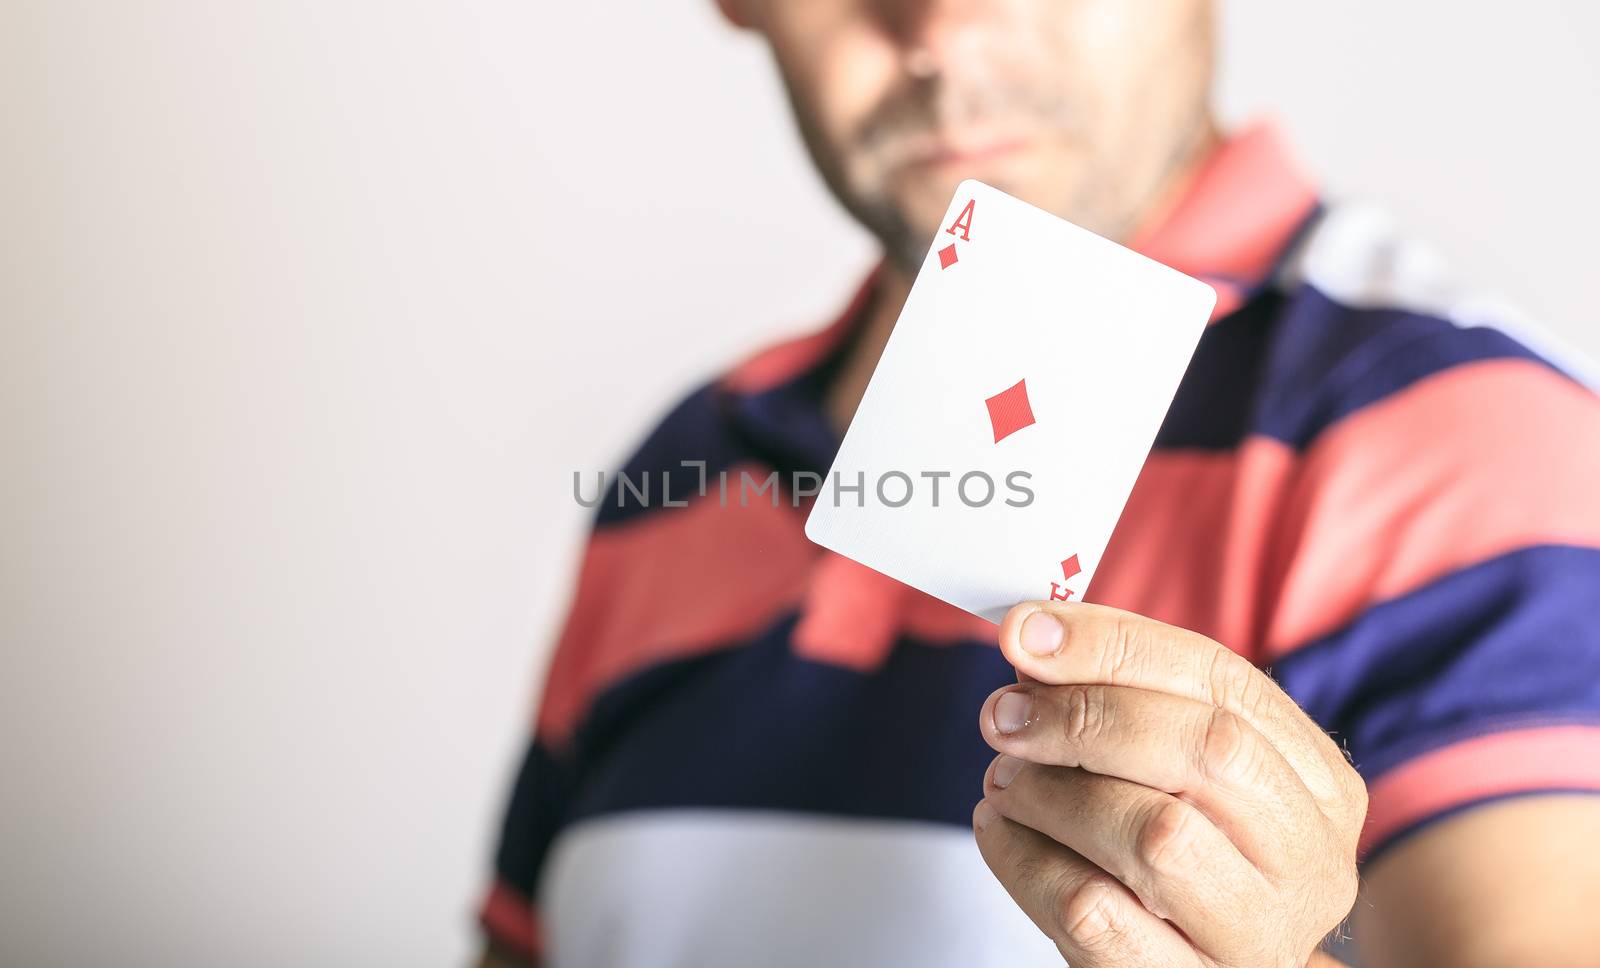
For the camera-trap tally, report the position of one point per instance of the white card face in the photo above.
(1031, 354)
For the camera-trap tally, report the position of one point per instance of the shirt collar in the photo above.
(1237, 217)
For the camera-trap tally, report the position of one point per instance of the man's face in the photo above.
(1078, 106)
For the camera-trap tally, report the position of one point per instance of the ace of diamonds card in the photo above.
(1013, 407)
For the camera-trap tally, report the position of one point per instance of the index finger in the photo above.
(1099, 644)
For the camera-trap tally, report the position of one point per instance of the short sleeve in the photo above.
(1435, 599)
(619, 573)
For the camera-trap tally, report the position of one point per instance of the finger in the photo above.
(1096, 643)
(1092, 919)
(1165, 851)
(1193, 751)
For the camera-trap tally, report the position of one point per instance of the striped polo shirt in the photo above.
(1377, 486)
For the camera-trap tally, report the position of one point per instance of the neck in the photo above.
(894, 283)
(888, 298)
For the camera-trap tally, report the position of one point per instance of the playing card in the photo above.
(1013, 407)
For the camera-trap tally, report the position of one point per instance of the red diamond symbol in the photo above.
(1061, 593)
(1009, 411)
(947, 256)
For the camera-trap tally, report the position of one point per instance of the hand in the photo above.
(1159, 800)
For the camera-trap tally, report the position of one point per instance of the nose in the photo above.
(934, 33)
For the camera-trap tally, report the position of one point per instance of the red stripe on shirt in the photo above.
(672, 584)
(1524, 760)
(509, 918)
(1207, 513)
(1463, 466)
(852, 616)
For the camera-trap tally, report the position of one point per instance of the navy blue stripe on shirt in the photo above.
(1282, 366)
(1330, 360)
(693, 431)
(536, 813)
(760, 728)
(1291, 366)
(1214, 405)
(1467, 654)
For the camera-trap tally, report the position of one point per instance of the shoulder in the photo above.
(700, 434)
(1371, 318)
(1436, 432)
(690, 430)
(704, 431)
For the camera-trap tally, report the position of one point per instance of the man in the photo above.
(1368, 513)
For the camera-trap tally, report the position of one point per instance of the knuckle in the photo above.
(1346, 803)
(1355, 793)
(1333, 901)
(1083, 715)
(1234, 682)
(1120, 645)
(1087, 917)
(1227, 754)
(1333, 884)
(1168, 840)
